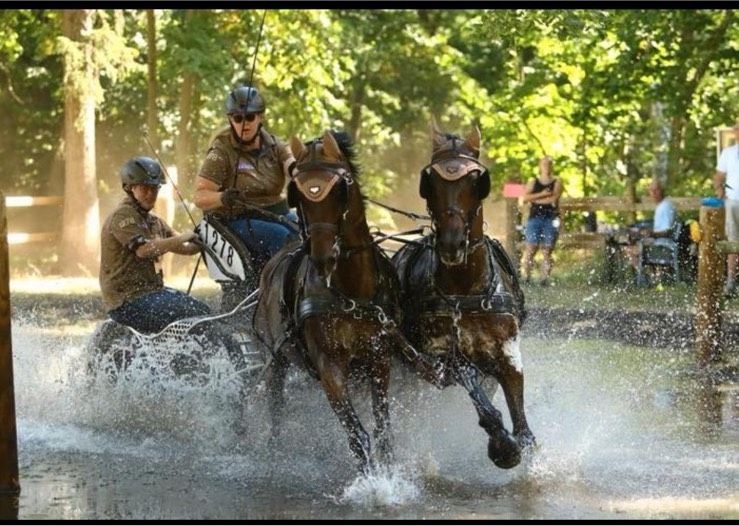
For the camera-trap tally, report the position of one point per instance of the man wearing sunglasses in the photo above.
(247, 165)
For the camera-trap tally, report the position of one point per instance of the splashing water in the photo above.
(617, 431)
(387, 486)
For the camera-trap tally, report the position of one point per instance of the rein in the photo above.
(269, 215)
(411, 215)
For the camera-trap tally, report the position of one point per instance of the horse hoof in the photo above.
(504, 451)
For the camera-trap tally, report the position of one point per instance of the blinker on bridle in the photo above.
(341, 171)
(448, 154)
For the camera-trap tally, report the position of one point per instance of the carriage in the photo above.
(335, 305)
(189, 348)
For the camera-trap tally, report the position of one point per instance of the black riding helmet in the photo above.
(142, 170)
(245, 99)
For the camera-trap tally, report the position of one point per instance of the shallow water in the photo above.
(622, 433)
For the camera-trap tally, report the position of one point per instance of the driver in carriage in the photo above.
(244, 174)
(132, 243)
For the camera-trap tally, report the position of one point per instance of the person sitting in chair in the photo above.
(132, 243)
(662, 230)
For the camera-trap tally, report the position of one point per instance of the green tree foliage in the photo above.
(615, 96)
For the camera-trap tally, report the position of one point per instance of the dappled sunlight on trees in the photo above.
(615, 96)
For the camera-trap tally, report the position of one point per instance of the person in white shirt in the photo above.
(663, 224)
(726, 182)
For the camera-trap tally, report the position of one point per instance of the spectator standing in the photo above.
(726, 183)
(542, 227)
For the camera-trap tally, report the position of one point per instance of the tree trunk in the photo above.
(80, 219)
(633, 174)
(692, 77)
(184, 141)
(151, 95)
(183, 148)
(356, 101)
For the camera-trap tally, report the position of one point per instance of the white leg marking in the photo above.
(513, 352)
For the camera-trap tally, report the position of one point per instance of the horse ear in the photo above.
(330, 147)
(473, 139)
(297, 147)
(438, 138)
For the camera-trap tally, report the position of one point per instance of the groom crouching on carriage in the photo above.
(132, 243)
(240, 185)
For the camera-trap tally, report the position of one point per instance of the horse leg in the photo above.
(334, 381)
(510, 378)
(503, 450)
(275, 384)
(380, 380)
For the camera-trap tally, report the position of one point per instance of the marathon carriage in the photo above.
(195, 348)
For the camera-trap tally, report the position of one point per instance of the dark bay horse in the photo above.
(461, 299)
(325, 301)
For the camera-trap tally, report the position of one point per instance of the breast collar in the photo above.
(433, 302)
(333, 301)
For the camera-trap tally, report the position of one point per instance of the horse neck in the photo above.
(471, 276)
(356, 273)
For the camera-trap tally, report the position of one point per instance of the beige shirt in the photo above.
(123, 275)
(260, 175)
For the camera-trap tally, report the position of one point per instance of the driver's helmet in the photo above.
(142, 170)
(245, 99)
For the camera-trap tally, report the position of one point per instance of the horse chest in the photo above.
(347, 334)
(481, 337)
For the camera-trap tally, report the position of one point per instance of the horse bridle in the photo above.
(454, 210)
(341, 170)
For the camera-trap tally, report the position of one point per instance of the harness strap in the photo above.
(497, 303)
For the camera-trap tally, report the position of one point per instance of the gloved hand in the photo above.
(230, 196)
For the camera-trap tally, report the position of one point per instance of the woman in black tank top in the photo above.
(542, 226)
(544, 209)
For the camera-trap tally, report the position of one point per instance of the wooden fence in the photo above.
(24, 201)
(585, 240)
(20, 234)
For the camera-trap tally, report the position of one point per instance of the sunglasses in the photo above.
(238, 118)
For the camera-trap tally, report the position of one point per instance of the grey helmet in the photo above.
(245, 99)
(142, 170)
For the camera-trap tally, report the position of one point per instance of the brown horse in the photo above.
(326, 301)
(460, 294)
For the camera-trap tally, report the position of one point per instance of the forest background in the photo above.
(616, 97)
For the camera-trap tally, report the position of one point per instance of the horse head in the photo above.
(454, 184)
(322, 190)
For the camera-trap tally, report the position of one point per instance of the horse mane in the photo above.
(346, 145)
(450, 137)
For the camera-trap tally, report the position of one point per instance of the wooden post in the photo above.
(511, 235)
(9, 484)
(711, 272)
